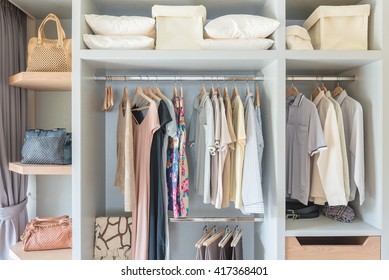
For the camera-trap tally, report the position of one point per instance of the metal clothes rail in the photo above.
(216, 219)
(235, 78)
(155, 78)
(319, 78)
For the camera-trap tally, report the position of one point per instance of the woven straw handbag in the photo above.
(49, 55)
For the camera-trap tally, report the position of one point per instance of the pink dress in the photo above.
(143, 137)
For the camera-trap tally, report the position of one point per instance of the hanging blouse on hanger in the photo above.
(183, 170)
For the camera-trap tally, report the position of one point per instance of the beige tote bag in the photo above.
(49, 55)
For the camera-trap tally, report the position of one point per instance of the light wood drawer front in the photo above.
(333, 248)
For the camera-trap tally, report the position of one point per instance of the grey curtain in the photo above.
(13, 123)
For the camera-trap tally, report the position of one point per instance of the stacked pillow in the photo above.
(240, 31)
(120, 32)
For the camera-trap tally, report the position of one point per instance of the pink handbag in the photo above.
(48, 234)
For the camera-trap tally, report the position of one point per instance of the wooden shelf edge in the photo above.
(43, 81)
(39, 169)
(16, 252)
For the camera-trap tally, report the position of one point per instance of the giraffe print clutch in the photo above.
(113, 238)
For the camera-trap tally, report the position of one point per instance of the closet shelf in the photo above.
(16, 252)
(39, 169)
(323, 226)
(43, 81)
(328, 62)
(154, 61)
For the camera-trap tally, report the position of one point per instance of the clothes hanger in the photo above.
(157, 91)
(149, 92)
(139, 91)
(181, 94)
(226, 95)
(204, 237)
(257, 100)
(323, 86)
(338, 90)
(315, 92)
(247, 87)
(123, 103)
(292, 90)
(235, 92)
(212, 90)
(227, 236)
(237, 237)
(105, 101)
(218, 89)
(203, 89)
(111, 98)
(213, 238)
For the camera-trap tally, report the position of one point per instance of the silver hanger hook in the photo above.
(181, 81)
(156, 81)
(247, 81)
(234, 82)
(338, 80)
(125, 80)
(203, 82)
(292, 81)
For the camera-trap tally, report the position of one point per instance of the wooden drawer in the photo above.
(333, 248)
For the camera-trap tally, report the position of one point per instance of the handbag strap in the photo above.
(61, 36)
(52, 219)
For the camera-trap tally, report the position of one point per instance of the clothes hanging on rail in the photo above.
(183, 169)
(339, 118)
(125, 173)
(354, 137)
(143, 136)
(216, 193)
(225, 141)
(327, 182)
(172, 171)
(304, 138)
(252, 198)
(227, 173)
(156, 210)
(259, 132)
(201, 141)
(238, 154)
(171, 131)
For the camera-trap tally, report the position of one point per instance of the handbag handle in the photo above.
(61, 36)
(52, 219)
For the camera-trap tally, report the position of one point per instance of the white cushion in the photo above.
(241, 26)
(122, 25)
(118, 42)
(297, 38)
(237, 44)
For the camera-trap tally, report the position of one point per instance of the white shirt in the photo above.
(353, 130)
(252, 181)
(339, 118)
(327, 171)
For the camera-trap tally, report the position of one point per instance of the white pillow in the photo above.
(237, 44)
(118, 42)
(241, 27)
(123, 25)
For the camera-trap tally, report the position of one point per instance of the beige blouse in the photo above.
(125, 174)
(237, 156)
(227, 175)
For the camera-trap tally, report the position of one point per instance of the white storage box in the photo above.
(339, 27)
(297, 38)
(179, 27)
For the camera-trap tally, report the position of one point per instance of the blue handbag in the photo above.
(47, 147)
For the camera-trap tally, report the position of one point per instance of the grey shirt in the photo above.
(201, 143)
(304, 138)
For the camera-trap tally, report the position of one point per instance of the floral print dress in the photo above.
(177, 166)
(183, 172)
